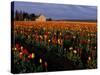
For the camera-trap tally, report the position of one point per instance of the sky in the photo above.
(58, 11)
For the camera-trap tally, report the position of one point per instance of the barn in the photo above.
(41, 18)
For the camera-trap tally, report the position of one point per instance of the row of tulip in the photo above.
(77, 43)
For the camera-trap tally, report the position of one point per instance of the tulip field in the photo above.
(53, 46)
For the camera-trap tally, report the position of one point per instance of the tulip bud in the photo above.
(40, 60)
(71, 48)
(33, 55)
(21, 47)
(74, 37)
(60, 33)
(75, 51)
(46, 64)
(49, 40)
(89, 40)
(95, 47)
(21, 55)
(15, 49)
(89, 58)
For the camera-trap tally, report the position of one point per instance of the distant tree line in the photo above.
(24, 16)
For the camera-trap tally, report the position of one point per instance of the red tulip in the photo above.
(31, 56)
(83, 41)
(20, 55)
(46, 33)
(17, 45)
(25, 51)
(46, 65)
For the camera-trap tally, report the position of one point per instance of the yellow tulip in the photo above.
(49, 40)
(60, 33)
(71, 48)
(40, 60)
(33, 55)
(41, 37)
(75, 51)
(74, 37)
(15, 48)
(89, 40)
(21, 47)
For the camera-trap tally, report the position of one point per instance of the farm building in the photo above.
(40, 18)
